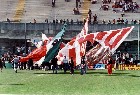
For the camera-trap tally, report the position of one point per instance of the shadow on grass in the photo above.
(64, 73)
(40, 73)
(12, 84)
(134, 76)
(119, 74)
(78, 72)
(95, 73)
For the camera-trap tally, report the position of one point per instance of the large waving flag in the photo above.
(80, 48)
(54, 45)
(38, 43)
(108, 41)
(74, 48)
(39, 52)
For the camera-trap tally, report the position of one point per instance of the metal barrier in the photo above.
(72, 28)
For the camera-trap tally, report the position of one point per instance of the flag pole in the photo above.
(25, 32)
(138, 39)
(25, 39)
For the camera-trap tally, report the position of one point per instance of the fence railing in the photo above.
(72, 28)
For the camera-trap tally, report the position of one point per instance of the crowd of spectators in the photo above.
(94, 20)
(126, 58)
(126, 5)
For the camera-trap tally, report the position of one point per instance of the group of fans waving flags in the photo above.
(108, 42)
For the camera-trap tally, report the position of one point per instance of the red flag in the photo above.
(75, 48)
(109, 41)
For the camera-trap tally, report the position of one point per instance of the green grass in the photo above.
(96, 82)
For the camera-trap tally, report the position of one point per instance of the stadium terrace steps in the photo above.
(85, 8)
(19, 11)
(27, 10)
(36, 9)
(7, 9)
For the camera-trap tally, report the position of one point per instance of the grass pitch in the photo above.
(95, 82)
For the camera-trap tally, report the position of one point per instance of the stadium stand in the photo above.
(28, 10)
(37, 11)
(19, 10)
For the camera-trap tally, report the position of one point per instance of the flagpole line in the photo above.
(25, 33)
(138, 39)
(25, 39)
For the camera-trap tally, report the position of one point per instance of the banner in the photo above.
(129, 67)
(99, 66)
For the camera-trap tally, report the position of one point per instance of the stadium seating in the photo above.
(40, 10)
(28, 10)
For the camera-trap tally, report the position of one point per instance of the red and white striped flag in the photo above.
(109, 41)
(74, 48)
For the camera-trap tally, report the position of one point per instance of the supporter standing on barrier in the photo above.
(1, 65)
(65, 64)
(110, 62)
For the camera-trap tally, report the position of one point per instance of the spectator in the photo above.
(61, 21)
(93, 1)
(104, 7)
(8, 20)
(109, 22)
(34, 20)
(132, 21)
(109, 1)
(135, 21)
(53, 21)
(71, 21)
(119, 21)
(95, 18)
(76, 11)
(103, 21)
(56, 21)
(104, 1)
(77, 21)
(114, 21)
(139, 22)
(89, 14)
(67, 21)
(126, 21)
(53, 3)
(64, 21)
(77, 3)
(122, 21)
(46, 20)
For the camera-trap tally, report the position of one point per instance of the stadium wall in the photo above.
(17, 30)
(19, 33)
